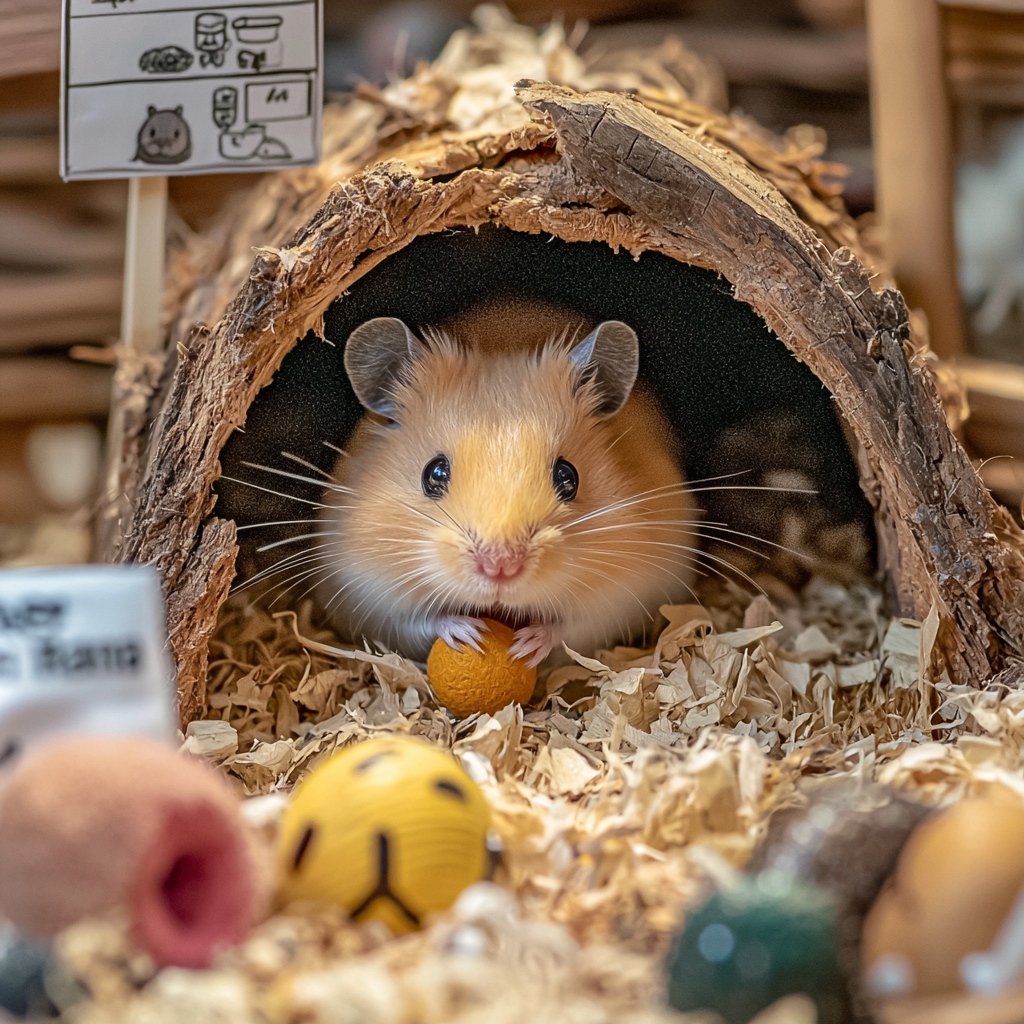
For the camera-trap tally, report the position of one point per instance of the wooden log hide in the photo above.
(606, 168)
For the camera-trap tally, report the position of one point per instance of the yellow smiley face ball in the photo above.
(391, 828)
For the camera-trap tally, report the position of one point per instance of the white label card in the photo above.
(173, 87)
(83, 650)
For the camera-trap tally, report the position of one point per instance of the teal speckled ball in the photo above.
(770, 936)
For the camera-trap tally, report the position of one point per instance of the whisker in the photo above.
(659, 564)
(665, 491)
(280, 494)
(754, 487)
(619, 583)
(304, 536)
(279, 522)
(297, 476)
(719, 540)
(309, 465)
(722, 476)
(701, 528)
(735, 569)
(288, 561)
(270, 576)
(286, 584)
(297, 579)
(419, 512)
(720, 528)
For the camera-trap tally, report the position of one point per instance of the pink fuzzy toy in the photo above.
(89, 825)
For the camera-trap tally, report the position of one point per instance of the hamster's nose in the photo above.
(499, 563)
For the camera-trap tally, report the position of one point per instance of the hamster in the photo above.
(532, 484)
(164, 138)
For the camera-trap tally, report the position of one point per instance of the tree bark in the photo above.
(607, 168)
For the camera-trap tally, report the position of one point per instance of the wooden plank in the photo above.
(58, 332)
(914, 161)
(994, 432)
(24, 297)
(29, 161)
(995, 393)
(29, 36)
(40, 234)
(756, 54)
(57, 309)
(41, 388)
(1012, 6)
(20, 500)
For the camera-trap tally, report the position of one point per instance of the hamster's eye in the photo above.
(566, 479)
(437, 474)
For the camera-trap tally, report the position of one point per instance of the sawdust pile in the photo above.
(633, 781)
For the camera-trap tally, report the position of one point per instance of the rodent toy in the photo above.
(90, 825)
(951, 916)
(526, 480)
(391, 828)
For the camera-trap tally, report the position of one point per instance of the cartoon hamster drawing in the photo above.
(164, 138)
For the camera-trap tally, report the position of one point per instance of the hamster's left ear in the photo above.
(610, 357)
(378, 357)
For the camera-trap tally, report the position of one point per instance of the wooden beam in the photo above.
(755, 53)
(28, 161)
(1013, 6)
(914, 161)
(29, 36)
(40, 388)
(57, 309)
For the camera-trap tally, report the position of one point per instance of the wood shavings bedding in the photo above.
(634, 779)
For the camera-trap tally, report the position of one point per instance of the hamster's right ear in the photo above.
(610, 357)
(378, 357)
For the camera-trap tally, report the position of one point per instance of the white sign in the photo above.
(82, 650)
(172, 87)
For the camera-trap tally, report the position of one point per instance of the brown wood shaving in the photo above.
(638, 777)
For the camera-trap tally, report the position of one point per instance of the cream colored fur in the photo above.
(502, 418)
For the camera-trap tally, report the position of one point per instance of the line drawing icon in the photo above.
(212, 40)
(247, 142)
(164, 138)
(261, 37)
(162, 60)
(225, 106)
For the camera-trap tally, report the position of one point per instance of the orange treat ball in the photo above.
(956, 880)
(466, 681)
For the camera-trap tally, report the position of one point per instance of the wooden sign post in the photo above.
(151, 88)
(142, 305)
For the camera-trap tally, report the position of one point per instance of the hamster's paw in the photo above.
(533, 644)
(456, 630)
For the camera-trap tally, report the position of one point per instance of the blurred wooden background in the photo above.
(785, 61)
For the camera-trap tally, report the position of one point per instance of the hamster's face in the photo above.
(164, 138)
(498, 490)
